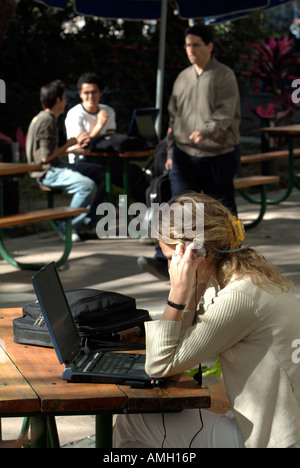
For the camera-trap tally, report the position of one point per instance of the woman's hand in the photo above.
(182, 273)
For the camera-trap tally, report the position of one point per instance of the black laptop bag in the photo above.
(116, 142)
(104, 319)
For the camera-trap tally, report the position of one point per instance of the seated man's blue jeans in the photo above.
(81, 187)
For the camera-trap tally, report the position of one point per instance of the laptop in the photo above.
(143, 125)
(81, 363)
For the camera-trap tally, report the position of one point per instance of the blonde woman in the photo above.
(248, 315)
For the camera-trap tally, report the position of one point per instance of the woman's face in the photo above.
(168, 251)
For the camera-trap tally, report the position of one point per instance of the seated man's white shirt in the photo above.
(80, 120)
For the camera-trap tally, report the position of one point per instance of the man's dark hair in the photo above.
(90, 78)
(50, 92)
(205, 32)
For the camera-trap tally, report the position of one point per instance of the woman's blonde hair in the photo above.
(224, 242)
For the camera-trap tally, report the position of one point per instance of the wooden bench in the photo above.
(49, 214)
(254, 181)
(270, 156)
(260, 181)
(264, 159)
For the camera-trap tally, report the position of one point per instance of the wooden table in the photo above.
(290, 132)
(126, 159)
(16, 396)
(48, 394)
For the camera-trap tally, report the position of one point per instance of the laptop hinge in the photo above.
(82, 347)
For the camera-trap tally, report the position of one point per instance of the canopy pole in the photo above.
(161, 65)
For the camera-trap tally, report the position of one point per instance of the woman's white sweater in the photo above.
(253, 331)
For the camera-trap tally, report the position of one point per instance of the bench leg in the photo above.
(263, 206)
(53, 439)
(292, 182)
(104, 430)
(6, 255)
(22, 441)
(44, 432)
(36, 266)
(108, 183)
(25, 429)
(50, 199)
(39, 435)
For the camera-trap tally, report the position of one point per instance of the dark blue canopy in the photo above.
(151, 9)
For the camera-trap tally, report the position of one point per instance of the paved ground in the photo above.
(111, 265)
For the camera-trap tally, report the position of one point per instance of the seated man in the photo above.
(42, 147)
(98, 119)
(89, 116)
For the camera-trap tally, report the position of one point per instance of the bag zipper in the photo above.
(40, 321)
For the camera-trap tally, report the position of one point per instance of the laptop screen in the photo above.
(143, 124)
(56, 312)
(145, 127)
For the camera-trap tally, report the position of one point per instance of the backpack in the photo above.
(159, 190)
(104, 319)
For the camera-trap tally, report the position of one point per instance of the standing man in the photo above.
(94, 118)
(42, 146)
(203, 151)
(205, 110)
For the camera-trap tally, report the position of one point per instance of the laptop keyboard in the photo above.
(106, 363)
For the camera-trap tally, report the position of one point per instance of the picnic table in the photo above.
(39, 392)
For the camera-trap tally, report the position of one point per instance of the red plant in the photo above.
(271, 112)
(275, 65)
(5, 138)
(20, 139)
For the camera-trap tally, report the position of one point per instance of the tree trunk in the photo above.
(7, 8)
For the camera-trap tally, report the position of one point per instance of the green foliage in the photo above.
(208, 371)
(214, 370)
(233, 47)
(44, 44)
